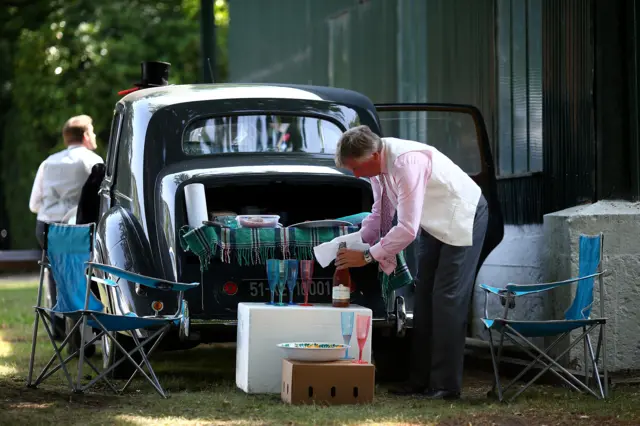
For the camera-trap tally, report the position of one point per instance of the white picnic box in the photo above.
(261, 327)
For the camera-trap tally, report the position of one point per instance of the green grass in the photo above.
(201, 383)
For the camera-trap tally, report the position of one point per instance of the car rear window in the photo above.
(260, 133)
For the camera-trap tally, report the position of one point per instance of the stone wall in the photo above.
(550, 252)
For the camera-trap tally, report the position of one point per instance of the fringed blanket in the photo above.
(253, 246)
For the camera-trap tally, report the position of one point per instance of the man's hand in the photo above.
(349, 259)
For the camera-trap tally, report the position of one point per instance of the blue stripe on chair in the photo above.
(74, 315)
(588, 264)
(69, 239)
(120, 322)
(105, 281)
(123, 323)
(71, 282)
(539, 328)
(488, 322)
(520, 290)
(494, 290)
(68, 248)
(531, 288)
(143, 279)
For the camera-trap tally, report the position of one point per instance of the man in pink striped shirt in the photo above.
(437, 201)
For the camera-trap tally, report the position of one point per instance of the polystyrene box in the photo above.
(262, 327)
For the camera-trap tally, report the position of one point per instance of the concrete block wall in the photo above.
(620, 223)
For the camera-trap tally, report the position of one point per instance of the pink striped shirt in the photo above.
(412, 171)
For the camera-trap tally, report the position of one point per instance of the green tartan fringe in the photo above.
(251, 256)
(255, 247)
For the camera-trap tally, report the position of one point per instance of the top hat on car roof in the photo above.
(152, 74)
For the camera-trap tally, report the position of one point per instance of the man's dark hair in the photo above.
(356, 143)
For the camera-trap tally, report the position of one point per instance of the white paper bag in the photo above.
(325, 253)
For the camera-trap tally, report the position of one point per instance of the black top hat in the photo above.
(154, 74)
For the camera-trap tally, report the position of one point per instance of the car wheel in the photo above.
(73, 343)
(391, 355)
(111, 355)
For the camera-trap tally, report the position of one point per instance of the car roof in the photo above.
(176, 94)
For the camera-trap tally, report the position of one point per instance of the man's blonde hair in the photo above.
(357, 143)
(75, 128)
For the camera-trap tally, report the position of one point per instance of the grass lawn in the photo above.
(201, 383)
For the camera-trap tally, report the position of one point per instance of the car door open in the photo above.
(459, 132)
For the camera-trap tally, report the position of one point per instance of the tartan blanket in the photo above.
(253, 246)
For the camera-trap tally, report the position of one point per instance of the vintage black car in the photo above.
(257, 148)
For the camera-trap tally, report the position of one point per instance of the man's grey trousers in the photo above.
(444, 285)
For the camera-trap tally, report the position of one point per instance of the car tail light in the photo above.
(230, 288)
(157, 306)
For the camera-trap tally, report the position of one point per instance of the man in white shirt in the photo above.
(57, 187)
(59, 180)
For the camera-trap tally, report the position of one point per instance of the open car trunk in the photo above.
(295, 198)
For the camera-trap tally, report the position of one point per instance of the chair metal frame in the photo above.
(87, 319)
(542, 356)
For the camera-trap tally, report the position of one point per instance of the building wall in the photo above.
(381, 48)
(541, 73)
(568, 110)
(591, 161)
(486, 53)
(478, 52)
(341, 43)
(446, 54)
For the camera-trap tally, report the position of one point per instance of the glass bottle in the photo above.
(341, 290)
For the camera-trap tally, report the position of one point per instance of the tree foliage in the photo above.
(69, 57)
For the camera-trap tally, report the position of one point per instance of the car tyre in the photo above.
(111, 355)
(391, 355)
(73, 344)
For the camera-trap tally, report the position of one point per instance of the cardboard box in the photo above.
(327, 383)
(262, 327)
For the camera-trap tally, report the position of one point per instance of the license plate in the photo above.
(260, 288)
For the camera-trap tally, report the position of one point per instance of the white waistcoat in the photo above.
(451, 196)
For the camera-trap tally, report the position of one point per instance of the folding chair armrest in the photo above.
(490, 289)
(524, 289)
(105, 281)
(142, 279)
(506, 297)
(45, 264)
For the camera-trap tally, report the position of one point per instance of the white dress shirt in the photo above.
(59, 180)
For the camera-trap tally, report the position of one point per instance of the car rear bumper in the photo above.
(210, 330)
(378, 322)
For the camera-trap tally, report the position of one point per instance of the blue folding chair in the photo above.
(578, 316)
(69, 250)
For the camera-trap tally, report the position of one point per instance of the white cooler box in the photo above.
(262, 327)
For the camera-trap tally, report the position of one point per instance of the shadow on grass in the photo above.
(201, 383)
(202, 388)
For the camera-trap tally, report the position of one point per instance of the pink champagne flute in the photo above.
(306, 276)
(363, 323)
